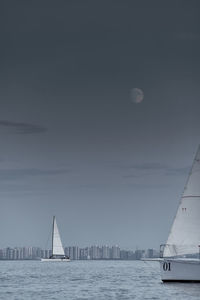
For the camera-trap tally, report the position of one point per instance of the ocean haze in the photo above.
(73, 144)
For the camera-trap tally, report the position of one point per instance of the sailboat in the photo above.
(58, 253)
(180, 256)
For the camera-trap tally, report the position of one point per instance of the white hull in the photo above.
(55, 259)
(180, 270)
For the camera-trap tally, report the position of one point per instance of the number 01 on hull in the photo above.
(180, 270)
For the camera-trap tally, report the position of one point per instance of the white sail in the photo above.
(57, 247)
(184, 237)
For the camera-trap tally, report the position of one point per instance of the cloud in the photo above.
(131, 176)
(145, 166)
(23, 128)
(177, 171)
(12, 174)
(149, 168)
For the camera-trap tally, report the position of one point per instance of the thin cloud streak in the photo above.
(13, 174)
(149, 168)
(23, 128)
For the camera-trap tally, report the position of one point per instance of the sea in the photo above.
(81, 280)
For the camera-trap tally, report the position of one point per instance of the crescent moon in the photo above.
(137, 95)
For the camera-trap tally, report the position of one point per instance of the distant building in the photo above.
(152, 253)
(149, 253)
(94, 252)
(139, 254)
(105, 252)
(75, 253)
(46, 253)
(66, 251)
(115, 252)
(84, 253)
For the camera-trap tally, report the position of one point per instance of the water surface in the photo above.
(91, 280)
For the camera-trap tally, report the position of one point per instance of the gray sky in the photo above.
(73, 141)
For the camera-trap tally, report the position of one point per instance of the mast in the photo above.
(53, 233)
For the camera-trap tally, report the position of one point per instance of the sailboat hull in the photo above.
(180, 270)
(55, 259)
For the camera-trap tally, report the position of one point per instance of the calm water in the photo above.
(89, 280)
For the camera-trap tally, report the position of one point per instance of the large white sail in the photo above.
(57, 247)
(184, 237)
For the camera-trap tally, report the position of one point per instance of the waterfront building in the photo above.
(75, 253)
(105, 252)
(115, 252)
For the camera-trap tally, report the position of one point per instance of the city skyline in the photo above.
(94, 252)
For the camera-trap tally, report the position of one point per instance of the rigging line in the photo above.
(152, 265)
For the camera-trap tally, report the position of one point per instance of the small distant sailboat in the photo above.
(58, 253)
(180, 257)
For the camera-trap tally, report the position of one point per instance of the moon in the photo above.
(137, 95)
